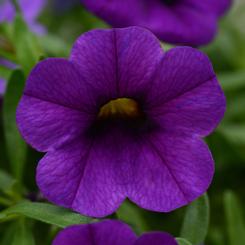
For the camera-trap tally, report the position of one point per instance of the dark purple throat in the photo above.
(123, 113)
(169, 2)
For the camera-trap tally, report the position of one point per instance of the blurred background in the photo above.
(64, 22)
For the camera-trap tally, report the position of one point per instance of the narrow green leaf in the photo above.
(6, 181)
(18, 233)
(16, 147)
(23, 234)
(236, 108)
(234, 133)
(232, 80)
(182, 241)
(234, 219)
(45, 212)
(8, 234)
(27, 47)
(130, 213)
(54, 45)
(196, 221)
(4, 72)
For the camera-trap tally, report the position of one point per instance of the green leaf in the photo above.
(23, 234)
(45, 212)
(54, 45)
(182, 241)
(234, 219)
(232, 80)
(235, 108)
(27, 47)
(4, 72)
(16, 147)
(196, 221)
(6, 181)
(131, 214)
(18, 233)
(234, 133)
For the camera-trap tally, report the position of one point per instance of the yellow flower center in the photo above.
(121, 107)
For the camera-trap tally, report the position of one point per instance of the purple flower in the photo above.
(110, 232)
(30, 10)
(2, 87)
(7, 11)
(7, 64)
(188, 22)
(122, 119)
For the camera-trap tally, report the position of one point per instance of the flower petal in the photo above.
(90, 176)
(118, 62)
(2, 87)
(182, 24)
(109, 232)
(173, 171)
(156, 238)
(7, 11)
(117, 13)
(188, 22)
(53, 107)
(186, 96)
(217, 7)
(31, 10)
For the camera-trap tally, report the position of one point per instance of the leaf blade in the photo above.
(45, 212)
(196, 221)
(16, 147)
(235, 222)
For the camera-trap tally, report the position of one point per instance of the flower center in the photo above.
(124, 114)
(169, 2)
(120, 108)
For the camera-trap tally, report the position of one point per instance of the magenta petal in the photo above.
(173, 171)
(186, 96)
(104, 233)
(156, 238)
(117, 62)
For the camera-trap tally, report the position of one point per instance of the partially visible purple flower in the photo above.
(7, 11)
(7, 63)
(110, 232)
(188, 22)
(2, 86)
(122, 119)
(10, 65)
(30, 10)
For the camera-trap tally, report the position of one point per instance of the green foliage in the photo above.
(19, 233)
(24, 222)
(16, 147)
(235, 219)
(182, 241)
(44, 212)
(26, 44)
(131, 214)
(6, 182)
(231, 81)
(196, 221)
